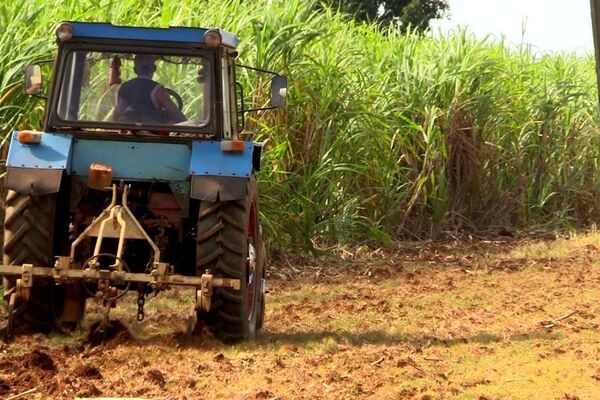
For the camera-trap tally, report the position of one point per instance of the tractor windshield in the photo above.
(135, 89)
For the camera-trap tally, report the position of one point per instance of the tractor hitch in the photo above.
(108, 284)
(113, 280)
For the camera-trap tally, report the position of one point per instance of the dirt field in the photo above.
(479, 320)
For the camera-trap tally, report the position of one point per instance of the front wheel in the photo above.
(229, 245)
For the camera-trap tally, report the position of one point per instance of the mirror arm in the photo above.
(275, 75)
(257, 69)
(259, 109)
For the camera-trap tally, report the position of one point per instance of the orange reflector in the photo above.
(233, 146)
(29, 137)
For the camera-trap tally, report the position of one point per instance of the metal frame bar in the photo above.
(60, 275)
(114, 213)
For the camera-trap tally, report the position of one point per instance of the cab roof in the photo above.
(101, 30)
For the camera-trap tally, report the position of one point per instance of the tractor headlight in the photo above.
(64, 31)
(212, 38)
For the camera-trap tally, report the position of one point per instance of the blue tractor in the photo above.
(139, 181)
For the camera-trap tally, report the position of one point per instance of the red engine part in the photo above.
(165, 205)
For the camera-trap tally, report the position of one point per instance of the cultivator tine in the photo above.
(13, 312)
(11, 317)
(190, 326)
(101, 331)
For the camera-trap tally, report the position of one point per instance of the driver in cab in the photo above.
(143, 100)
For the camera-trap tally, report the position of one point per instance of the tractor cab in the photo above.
(177, 82)
(171, 93)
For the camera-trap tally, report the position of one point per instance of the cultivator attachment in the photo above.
(107, 276)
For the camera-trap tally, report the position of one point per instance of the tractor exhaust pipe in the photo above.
(595, 7)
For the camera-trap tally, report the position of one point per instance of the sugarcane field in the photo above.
(299, 199)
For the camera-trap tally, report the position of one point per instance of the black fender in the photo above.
(213, 188)
(35, 181)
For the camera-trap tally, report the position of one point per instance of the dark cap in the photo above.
(144, 60)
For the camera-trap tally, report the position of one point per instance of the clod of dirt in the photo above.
(279, 363)
(259, 395)
(157, 377)
(201, 367)
(115, 333)
(88, 371)
(89, 390)
(72, 350)
(4, 387)
(6, 365)
(189, 383)
(39, 359)
(289, 347)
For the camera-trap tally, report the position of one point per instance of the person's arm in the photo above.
(164, 101)
(119, 107)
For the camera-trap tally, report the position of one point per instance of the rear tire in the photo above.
(29, 239)
(227, 235)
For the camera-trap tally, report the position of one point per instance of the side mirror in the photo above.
(33, 79)
(278, 91)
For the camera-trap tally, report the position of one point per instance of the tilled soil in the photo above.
(480, 320)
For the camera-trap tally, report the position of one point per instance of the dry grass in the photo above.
(445, 321)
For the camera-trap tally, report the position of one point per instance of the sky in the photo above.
(548, 25)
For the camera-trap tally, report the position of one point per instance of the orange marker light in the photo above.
(29, 137)
(233, 146)
(212, 38)
(64, 31)
(99, 176)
